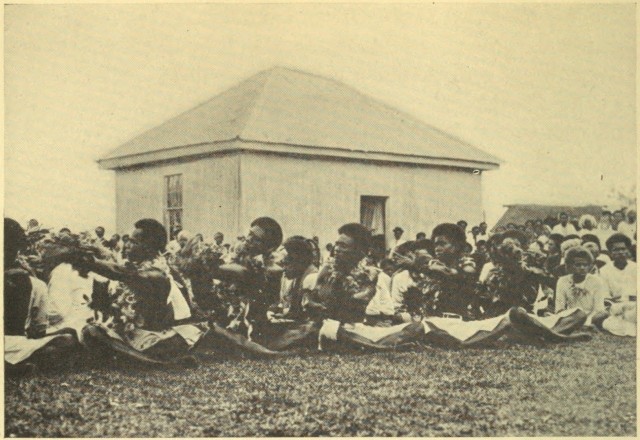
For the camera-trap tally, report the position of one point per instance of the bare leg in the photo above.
(221, 339)
(532, 328)
(292, 336)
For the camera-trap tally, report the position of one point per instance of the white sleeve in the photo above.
(310, 281)
(39, 306)
(561, 294)
(399, 286)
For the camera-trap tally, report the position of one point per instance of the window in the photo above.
(173, 202)
(372, 214)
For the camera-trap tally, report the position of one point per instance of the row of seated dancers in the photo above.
(261, 304)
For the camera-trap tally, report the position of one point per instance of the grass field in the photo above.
(586, 389)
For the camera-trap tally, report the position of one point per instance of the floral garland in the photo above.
(434, 285)
(360, 279)
(235, 298)
(515, 281)
(115, 308)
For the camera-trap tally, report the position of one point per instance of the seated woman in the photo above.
(620, 278)
(592, 243)
(299, 276)
(580, 289)
(28, 338)
(620, 275)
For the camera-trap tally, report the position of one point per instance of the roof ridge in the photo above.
(217, 95)
(251, 113)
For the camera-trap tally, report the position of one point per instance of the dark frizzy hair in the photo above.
(299, 248)
(451, 231)
(153, 233)
(14, 237)
(577, 252)
(591, 238)
(515, 234)
(272, 229)
(360, 235)
(618, 238)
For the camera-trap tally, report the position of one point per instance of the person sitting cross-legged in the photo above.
(580, 289)
(299, 275)
(28, 339)
(516, 277)
(447, 287)
(620, 275)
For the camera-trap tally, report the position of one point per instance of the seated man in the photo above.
(26, 311)
(344, 288)
(343, 292)
(246, 287)
(142, 311)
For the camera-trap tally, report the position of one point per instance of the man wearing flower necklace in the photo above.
(145, 304)
(343, 291)
(249, 284)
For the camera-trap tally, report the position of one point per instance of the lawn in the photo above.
(586, 389)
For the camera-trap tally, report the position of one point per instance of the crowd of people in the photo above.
(161, 299)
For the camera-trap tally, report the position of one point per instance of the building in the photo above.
(519, 213)
(308, 151)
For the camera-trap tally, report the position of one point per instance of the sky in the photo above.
(548, 88)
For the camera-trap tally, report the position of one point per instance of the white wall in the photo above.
(210, 194)
(315, 197)
(307, 197)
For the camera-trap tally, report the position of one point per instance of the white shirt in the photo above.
(396, 243)
(484, 273)
(591, 302)
(70, 293)
(381, 303)
(564, 230)
(620, 283)
(400, 283)
(628, 229)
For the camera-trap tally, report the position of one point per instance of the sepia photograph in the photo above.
(320, 219)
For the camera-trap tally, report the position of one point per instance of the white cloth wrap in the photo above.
(374, 334)
(20, 348)
(462, 330)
